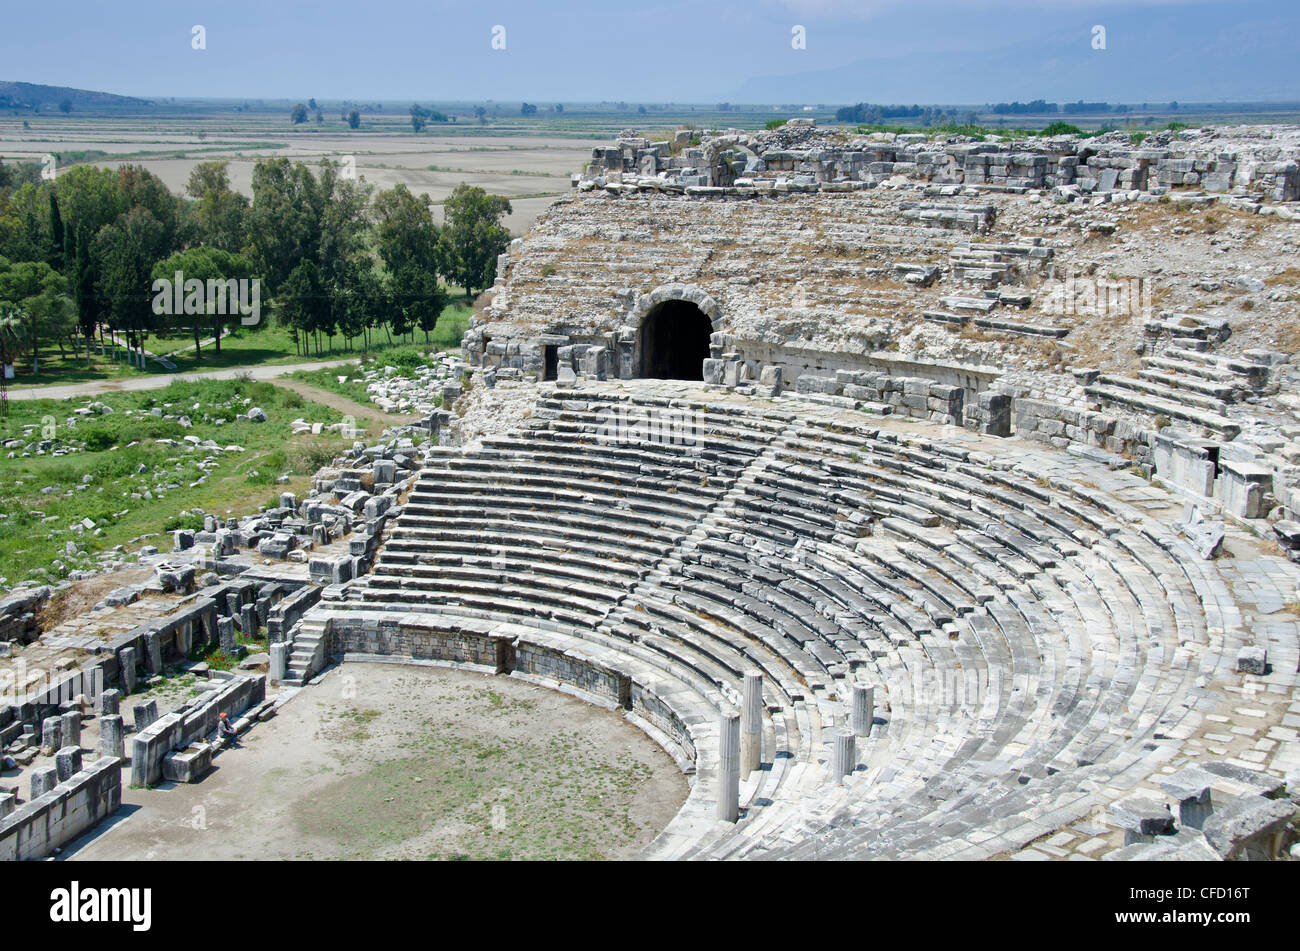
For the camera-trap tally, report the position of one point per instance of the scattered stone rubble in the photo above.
(1259, 161)
(428, 389)
(233, 577)
(1224, 813)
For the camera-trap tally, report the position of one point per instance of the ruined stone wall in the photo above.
(1264, 160)
(824, 273)
(368, 636)
(53, 820)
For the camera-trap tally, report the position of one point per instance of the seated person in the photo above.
(226, 731)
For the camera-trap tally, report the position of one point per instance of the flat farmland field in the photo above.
(530, 168)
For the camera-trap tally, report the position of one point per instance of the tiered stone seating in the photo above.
(1023, 630)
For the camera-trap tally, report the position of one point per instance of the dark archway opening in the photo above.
(675, 341)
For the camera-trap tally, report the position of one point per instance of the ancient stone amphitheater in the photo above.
(782, 445)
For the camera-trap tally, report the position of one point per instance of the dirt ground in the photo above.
(345, 405)
(398, 762)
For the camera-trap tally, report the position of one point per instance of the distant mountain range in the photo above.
(1146, 59)
(33, 96)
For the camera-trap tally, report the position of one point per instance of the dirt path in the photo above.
(383, 761)
(159, 380)
(345, 405)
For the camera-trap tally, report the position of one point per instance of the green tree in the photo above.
(409, 244)
(125, 253)
(473, 236)
(25, 223)
(141, 188)
(418, 297)
(299, 114)
(39, 293)
(220, 211)
(418, 118)
(300, 303)
(343, 260)
(205, 264)
(298, 217)
(405, 234)
(354, 119)
(86, 302)
(57, 236)
(11, 342)
(90, 197)
(283, 222)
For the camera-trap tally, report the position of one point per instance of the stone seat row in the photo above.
(970, 573)
(625, 510)
(528, 474)
(444, 547)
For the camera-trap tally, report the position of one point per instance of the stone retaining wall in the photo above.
(176, 730)
(289, 612)
(18, 614)
(53, 820)
(1065, 425)
(530, 654)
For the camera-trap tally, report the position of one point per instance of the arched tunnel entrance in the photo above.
(675, 341)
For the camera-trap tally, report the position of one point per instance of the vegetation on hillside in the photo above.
(81, 480)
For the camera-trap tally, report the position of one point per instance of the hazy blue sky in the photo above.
(680, 50)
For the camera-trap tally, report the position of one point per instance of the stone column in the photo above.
(751, 724)
(153, 652)
(44, 779)
(112, 737)
(846, 754)
(51, 735)
(71, 728)
(7, 800)
(279, 661)
(67, 762)
(128, 662)
(863, 709)
(226, 636)
(729, 766)
(145, 714)
(110, 702)
(248, 620)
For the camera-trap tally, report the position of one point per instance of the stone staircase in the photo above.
(1184, 381)
(307, 650)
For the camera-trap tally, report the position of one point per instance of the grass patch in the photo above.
(135, 475)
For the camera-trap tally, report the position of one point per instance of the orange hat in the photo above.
(223, 716)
